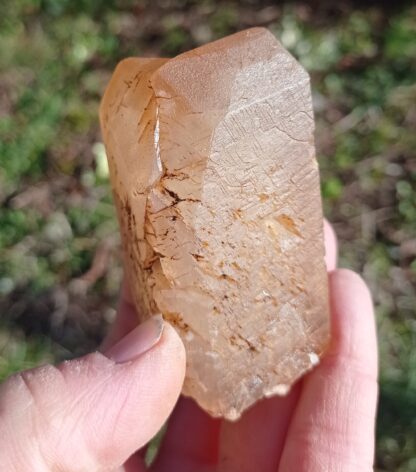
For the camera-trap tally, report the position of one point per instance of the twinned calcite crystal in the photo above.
(216, 184)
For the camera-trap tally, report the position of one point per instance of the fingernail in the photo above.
(138, 341)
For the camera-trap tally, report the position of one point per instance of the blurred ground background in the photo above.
(59, 249)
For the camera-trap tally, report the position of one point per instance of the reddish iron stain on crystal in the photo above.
(217, 189)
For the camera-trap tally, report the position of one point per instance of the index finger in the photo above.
(333, 425)
(126, 319)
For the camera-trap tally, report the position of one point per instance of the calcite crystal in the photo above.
(216, 185)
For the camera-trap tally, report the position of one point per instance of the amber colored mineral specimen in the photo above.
(213, 169)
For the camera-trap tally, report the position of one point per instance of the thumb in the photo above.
(92, 413)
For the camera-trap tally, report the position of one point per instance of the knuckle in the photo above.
(24, 417)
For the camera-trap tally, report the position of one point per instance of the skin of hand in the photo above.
(97, 413)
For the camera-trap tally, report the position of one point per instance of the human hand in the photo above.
(91, 414)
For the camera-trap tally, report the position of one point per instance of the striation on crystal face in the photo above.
(213, 170)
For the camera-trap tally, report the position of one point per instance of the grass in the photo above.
(57, 218)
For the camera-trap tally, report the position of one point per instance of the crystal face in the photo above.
(213, 170)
